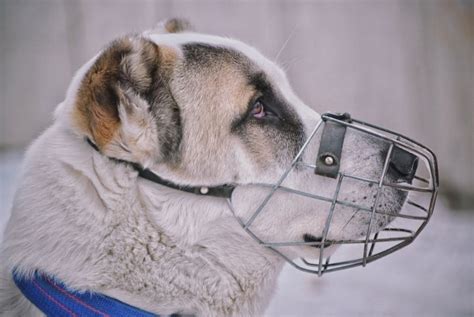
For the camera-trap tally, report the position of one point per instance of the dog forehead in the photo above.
(179, 40)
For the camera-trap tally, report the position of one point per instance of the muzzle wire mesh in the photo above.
(404, 235)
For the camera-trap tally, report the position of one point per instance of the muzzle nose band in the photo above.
(328, 160)
(404, 163)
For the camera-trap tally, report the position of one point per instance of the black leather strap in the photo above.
(222, 191)
(328, 160)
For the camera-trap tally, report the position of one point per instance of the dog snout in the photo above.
(403, 165)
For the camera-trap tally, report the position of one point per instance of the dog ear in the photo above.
(124, 103)
(174, 25)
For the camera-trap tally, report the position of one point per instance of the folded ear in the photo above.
(124, 103)
(174, 25)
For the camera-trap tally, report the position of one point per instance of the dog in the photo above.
(199, 111)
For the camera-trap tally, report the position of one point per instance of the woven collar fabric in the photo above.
(53, 298)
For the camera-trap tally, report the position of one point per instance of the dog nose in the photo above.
(403, 165)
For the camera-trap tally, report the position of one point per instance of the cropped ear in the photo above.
(173, 25)
(124, 103)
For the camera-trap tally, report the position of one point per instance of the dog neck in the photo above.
(153, 247)
(194, 257)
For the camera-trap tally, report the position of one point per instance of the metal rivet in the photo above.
(329, 160)
(204, 190)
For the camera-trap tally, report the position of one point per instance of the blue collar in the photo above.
(53, 298)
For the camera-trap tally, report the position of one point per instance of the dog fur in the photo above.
(177, 103)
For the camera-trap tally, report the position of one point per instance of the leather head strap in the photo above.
(328, 160)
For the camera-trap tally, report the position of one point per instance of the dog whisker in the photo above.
(286, 42)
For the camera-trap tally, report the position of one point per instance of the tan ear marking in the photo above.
(168, 57)
(95, 112)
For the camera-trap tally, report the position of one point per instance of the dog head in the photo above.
(202, 110)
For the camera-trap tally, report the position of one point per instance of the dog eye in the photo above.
(258, 110)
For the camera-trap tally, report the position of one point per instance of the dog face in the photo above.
(204, 110)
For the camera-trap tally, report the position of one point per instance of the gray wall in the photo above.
(407, 65)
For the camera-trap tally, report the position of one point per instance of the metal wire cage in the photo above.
(414, 214)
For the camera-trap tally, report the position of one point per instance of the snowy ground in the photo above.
(432, 277)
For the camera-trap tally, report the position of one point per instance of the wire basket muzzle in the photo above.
(416, 162)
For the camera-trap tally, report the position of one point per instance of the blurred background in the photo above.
(407, 65)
